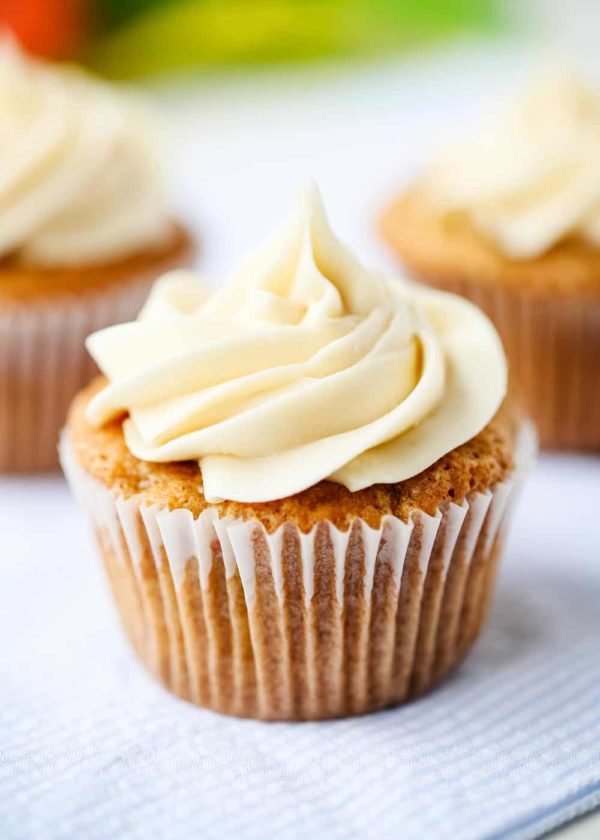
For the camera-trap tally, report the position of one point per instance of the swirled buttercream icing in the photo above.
(530, 176)
(305, 366)
(79, 182)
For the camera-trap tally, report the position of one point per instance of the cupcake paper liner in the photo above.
(554, 349)
(298, 626)
(43, 363)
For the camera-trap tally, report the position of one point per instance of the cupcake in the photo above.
(299, 483)
(510, 218)
(84, 230)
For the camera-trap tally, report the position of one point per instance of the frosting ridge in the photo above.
(79, 179)
(305, 366)
(530, 176)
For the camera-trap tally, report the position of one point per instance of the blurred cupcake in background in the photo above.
(300, 482)
(510, 217)
(85, 228)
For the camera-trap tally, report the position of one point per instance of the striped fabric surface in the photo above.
(90, 747)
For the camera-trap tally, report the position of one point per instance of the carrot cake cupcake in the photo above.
(510, 218)
(299, 483)
(84, 230)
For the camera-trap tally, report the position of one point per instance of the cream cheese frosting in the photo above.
(79, 180)
(530, 176)
(305, 366)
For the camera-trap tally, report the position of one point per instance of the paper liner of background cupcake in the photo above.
(43, 361)
(293, 625)
(554, 348)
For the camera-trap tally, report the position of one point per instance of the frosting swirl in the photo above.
(79, 182)
(530, 177)
(305, 366)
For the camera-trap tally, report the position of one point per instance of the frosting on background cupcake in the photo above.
(79, 181)
(305, 366)
(529, 177)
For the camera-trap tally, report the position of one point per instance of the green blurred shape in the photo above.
(112, 13)
(186, 34)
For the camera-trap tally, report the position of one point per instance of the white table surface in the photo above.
(237, 150)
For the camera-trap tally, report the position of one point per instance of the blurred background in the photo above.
(129, 38)
(137, 38)
(253, 96)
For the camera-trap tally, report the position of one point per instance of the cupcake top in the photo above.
(305, 366)
(79, 182)
(530, 176)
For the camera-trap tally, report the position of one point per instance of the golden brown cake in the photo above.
(299, 483)
(273, 642)
(510, 221)
(447, 249)
(84, 230)
(24, 284)
(474, 467)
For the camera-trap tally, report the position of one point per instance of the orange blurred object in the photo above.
(49, 28)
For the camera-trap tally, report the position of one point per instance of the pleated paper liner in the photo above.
(292, 625)
(553, 346)
(43, 363)
(43, 360)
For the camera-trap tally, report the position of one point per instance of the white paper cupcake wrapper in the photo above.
(554, 349)
(291, 625)
(43, 363)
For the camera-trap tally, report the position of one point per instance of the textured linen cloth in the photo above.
(91, 747)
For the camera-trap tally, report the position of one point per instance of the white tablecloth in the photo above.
(91, 747)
